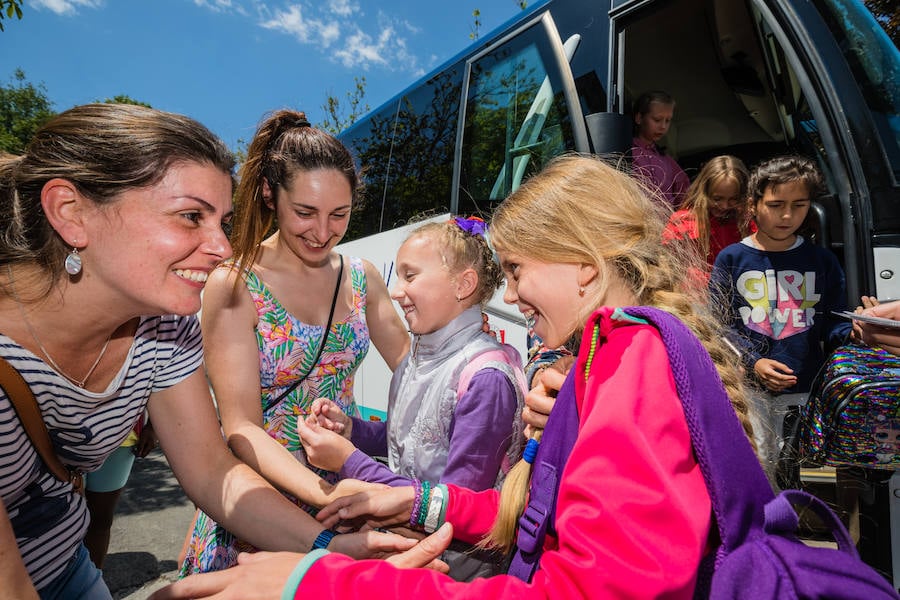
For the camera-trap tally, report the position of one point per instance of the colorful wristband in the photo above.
(434, 509)
(442, 518)
(323, 539)
(426, 499)
(417, 503)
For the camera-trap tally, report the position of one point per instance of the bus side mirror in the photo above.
(611, 133)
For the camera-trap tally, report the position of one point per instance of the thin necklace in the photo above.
(79, 382)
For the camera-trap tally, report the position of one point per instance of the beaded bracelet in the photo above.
(417, 503)
(426, 497)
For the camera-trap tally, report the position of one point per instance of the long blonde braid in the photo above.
(579, 210)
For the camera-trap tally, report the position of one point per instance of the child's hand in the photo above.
(330, 416)
(379, 508)
(324, 448)
(542, 396)
(776, 376)
(486, 326)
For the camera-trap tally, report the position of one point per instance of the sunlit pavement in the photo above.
(149, 528)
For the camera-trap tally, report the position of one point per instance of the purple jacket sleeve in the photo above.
(480, 431)
(365, 468)
(370, 439)
(370, 436)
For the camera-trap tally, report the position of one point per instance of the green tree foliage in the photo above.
(24, 107)
(10, 9)
(421, 130)
(123, 99)
(887, 12)
(240, 153)
(338, 117)
(476, 26)
(476, 15)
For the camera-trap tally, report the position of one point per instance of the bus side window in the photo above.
(390, 145)
(516, 119)
(369, 140)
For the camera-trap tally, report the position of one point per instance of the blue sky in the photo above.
(227, 62)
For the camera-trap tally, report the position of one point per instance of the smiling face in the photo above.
(547, 294)
(779, 214)
(155, 246)
(654, 124)
(313, 213)
(425, 290)
(724, 198)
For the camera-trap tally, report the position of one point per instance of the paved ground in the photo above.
(150, 525)
(153, 516)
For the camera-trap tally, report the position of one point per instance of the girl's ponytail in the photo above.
(512, 499)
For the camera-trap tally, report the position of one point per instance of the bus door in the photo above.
(520, 109)
(765, 77)
(845, 105)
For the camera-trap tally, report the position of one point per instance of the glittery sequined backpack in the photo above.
(852, 416)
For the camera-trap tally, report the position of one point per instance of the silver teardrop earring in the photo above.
(581, 291)
(73, 262)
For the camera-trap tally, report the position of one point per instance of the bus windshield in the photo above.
(875, 63)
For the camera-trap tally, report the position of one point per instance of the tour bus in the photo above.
(752, 78)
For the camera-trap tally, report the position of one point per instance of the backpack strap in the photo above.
(26, 408)
(738, 487)
(506, 354)
(553, 452)
(782, 519)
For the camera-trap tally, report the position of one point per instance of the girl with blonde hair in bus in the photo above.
(577, 242)
(715, 213)
(289, 320)
(455, 402)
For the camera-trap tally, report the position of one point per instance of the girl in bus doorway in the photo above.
(653, 113)
(455, 402)
(715, 212)
(780, 290)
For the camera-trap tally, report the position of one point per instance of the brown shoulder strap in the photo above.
(29, 413)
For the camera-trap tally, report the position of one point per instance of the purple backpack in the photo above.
(759, 555)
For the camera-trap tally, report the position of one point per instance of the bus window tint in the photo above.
(875, 63)
(515, 120)
(400, 186)
(363, 140)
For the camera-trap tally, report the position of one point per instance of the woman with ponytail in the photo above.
(289, 320)
(579, 242)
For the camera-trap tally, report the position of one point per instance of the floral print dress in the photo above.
(287, 346)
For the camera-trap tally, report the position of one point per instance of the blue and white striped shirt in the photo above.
(48, 518)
